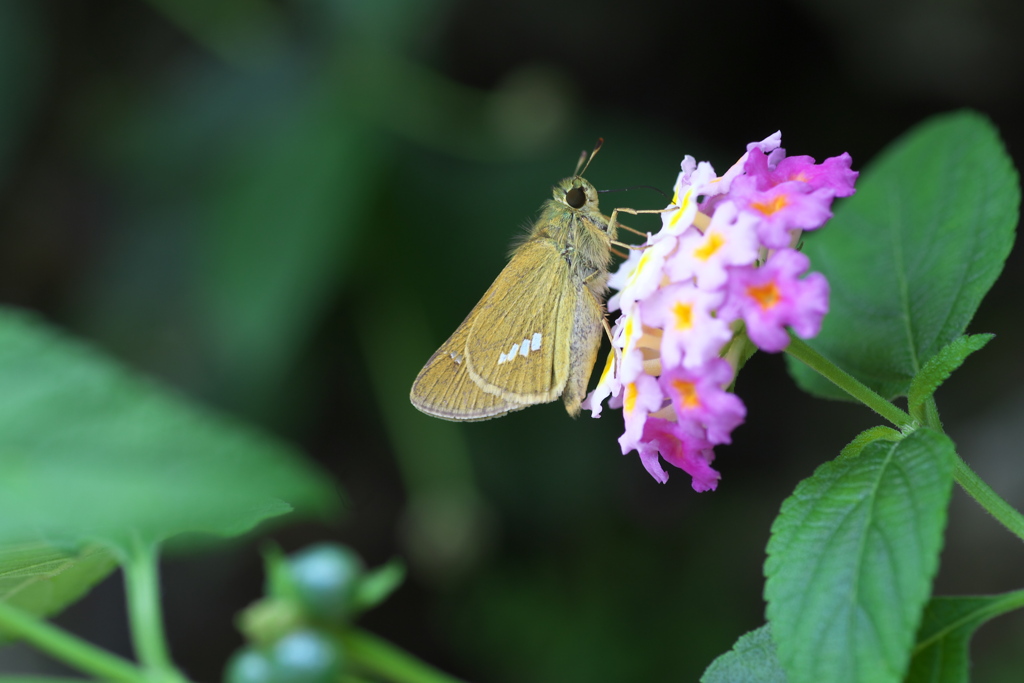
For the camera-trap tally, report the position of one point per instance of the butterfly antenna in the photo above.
(637, 187)
(583, 157)
(579, 164)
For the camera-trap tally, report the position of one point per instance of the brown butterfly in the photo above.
(534, 335)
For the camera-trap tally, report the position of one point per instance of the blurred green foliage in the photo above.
(93, 454)
(282, 208)
(43, 579)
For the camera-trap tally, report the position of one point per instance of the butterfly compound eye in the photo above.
(576, 197)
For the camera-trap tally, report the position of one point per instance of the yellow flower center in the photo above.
(684, 315)
(627, 332)
(711, 245)
(681, 202)
(608, 365)
(766, 295)
(768, 208)
(629, 400)
(687, 392)
(645, 259)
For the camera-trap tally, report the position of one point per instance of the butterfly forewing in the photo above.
(535, 333)
(528, 361)
(445, 389)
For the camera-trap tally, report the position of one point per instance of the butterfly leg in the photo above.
(613, 219)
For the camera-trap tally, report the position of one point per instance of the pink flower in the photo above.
(782, 209)
(646, 273)
(772, 297)
(680, 445)
(694, 180)
(640, 398)
(729, 240)
(691, 332)
(833, 174)
(721, 266)
(698, 396)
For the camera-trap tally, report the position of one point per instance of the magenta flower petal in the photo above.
(833, 174)
(680, 444)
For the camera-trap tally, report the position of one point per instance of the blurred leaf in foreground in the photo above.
(91, 452)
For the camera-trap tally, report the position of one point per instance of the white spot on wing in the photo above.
(522, 348)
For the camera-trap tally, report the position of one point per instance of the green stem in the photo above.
(1000, 604)
(977, 489)
(382, 659)
(66, 647)
(964, 475)
(814, 360)
(142, 588)
(931, 414)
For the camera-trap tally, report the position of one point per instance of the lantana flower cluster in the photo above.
(722, 270)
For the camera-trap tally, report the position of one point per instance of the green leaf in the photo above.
(880, 433)
(939, 367)
(751, 660)
(941, 655)
(91, 452)
(377, 585)
(42, 579)
(852, 557)
(911, 255)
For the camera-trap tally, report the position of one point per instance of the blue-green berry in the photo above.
(249, 665)
(325, 577)
(306, 656)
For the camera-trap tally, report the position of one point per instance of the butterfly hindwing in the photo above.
(445, 389)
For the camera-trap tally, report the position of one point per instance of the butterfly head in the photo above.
(576, 193)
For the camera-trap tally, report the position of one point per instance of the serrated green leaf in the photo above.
(911, 255)
(42, 579)
(939, 367)
(949, 622)
(751, 660)
(91, 452)
(880, 433)
(852, 557)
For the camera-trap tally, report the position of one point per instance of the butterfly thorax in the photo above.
(573, 220)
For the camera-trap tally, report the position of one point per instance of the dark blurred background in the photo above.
(282, 208)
